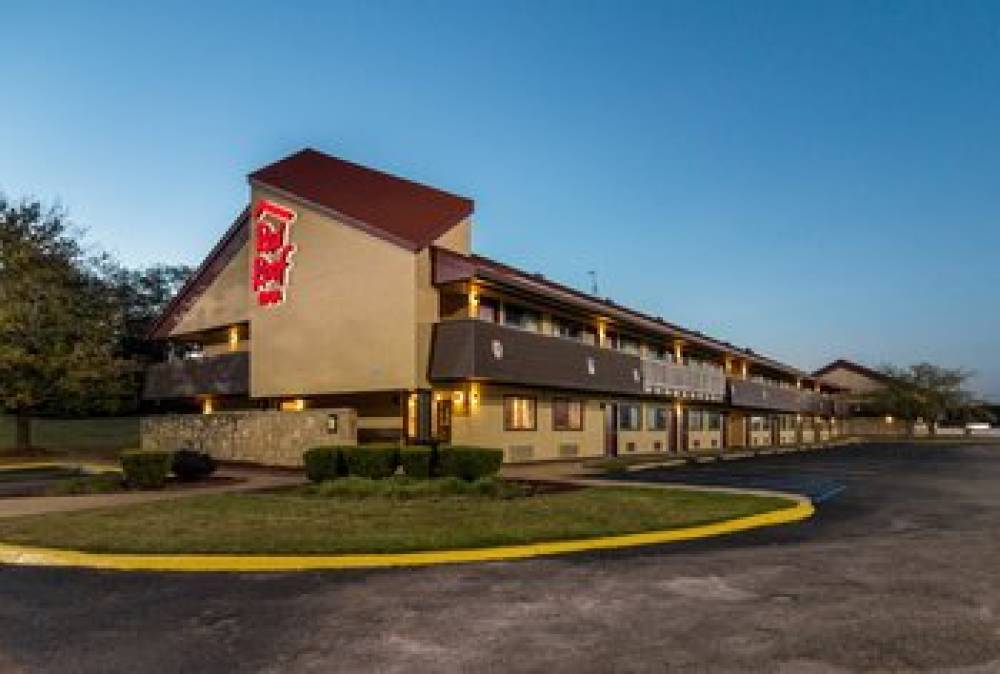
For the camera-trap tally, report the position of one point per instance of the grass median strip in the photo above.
(297, 522)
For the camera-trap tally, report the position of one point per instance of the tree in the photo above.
(142, 294)
(924, 391)
(62, 329)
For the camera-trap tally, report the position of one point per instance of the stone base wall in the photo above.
(268, 438)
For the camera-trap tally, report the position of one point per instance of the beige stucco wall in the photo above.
(643, 440)
(458, 238)
(484, 426)
(788, 437)
(700, 441)
(225, 302)
(349, 321)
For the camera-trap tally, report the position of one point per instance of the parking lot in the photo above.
(898, 571)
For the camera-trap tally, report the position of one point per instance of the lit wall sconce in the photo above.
(294, 405)
(234, 337)
(207, 407)
(678, 351)
(473, 397)
(602, 334)
(473, 301)
(458, 402)
(889, 419)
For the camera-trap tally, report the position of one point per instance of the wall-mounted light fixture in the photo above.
(473, 301)
(234, 337)
(293, 405)
(206, 406)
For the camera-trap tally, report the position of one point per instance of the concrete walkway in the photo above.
(249, 480)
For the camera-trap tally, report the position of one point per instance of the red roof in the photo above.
(409, 214)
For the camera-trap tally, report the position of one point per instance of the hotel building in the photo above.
(351, 298)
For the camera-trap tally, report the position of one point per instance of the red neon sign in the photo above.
(273, 252)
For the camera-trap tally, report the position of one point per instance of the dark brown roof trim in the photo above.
(219, 257)
(450, 267)
(341, 217)
(407, 213)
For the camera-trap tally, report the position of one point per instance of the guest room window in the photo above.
(567, 415)
(629, 417)
(519, 413)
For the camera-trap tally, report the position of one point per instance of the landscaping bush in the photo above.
(189, 465)
(469, 463)
(374, 461)
(146, 469)
(417, 461)
(324, 463)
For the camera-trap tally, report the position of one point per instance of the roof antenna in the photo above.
(593, 283)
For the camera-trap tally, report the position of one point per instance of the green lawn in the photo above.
(295, 521)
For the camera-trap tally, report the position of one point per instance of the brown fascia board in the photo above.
(450, 267)
(342, 217)
(220, 256)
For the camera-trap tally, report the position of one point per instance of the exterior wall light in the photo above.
(889, 419)
(206, 406)
(473, 301)
(234, 337)
(294, 405)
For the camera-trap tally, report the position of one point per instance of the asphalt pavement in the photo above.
(898, 571)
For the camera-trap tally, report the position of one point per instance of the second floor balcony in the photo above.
(480, 350)
(223, 374)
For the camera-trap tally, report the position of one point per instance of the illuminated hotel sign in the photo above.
(273, 252)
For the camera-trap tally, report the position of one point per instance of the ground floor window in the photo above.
(519, 413)
(758, 423)
(699, 420)
(567, 415)
(659, 418)
(787, 422)
(629, 417)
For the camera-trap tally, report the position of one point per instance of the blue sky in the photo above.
(814, 180)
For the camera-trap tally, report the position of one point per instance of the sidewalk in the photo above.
(250, 480)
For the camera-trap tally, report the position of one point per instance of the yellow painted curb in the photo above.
(28, 556)
(84, 466)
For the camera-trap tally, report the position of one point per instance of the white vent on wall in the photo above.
(520, 452)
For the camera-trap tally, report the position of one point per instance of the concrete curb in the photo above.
(51, 557)
(85, 466)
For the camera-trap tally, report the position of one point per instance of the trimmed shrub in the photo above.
(146, 469)
(323, 463)
(469, 463)
(375, 461)
(189, 465)
(417, 461)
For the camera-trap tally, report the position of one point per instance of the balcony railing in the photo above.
(694, 380)
(748, 393)
(225, 374)
(473, 349)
